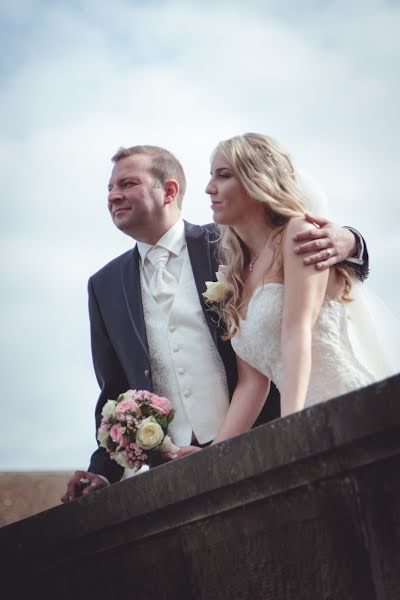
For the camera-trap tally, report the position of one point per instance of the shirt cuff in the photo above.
(358, 259)
(104, 478)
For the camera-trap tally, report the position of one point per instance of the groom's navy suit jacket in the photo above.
(118, 332)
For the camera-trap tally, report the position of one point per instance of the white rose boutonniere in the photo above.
(216, 290)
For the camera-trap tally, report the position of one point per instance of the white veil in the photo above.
(374, 331)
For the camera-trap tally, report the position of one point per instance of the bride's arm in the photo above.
(247, 401)
(303, 296)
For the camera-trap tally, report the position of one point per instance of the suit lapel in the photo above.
(130, 280)
(198, 245)
(199, 250)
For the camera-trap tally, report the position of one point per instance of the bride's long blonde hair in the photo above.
(266, 173)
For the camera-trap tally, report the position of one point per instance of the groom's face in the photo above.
(135, 199)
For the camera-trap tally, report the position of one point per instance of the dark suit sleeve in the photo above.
(364, 270)
(359, 264)
(111, 379)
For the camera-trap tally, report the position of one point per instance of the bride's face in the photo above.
(229, 202)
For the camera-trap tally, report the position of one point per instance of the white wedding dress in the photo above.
(335, 367)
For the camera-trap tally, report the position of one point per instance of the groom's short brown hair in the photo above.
(164, 165)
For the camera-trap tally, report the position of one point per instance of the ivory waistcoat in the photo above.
(185, 364)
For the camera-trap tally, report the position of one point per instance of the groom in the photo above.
(150, 328)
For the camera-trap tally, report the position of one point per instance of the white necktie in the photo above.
(162, 285)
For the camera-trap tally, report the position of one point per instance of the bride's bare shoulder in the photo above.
(294, 226)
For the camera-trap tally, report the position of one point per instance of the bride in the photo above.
(288, 322)
(308, 330)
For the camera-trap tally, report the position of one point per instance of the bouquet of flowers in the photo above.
(135, 425)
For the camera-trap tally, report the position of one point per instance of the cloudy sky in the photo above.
(78, 79)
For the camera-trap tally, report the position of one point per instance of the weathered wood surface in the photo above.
(304, 508)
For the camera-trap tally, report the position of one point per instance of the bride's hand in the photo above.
(326, 245)
(169, 449)
(187, 450)
(182, 452)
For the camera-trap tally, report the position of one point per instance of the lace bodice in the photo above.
(335, 369)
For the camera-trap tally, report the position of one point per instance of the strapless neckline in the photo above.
(255, 293)
(335, 368)
(327, 298)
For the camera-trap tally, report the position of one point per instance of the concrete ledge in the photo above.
(304, 507)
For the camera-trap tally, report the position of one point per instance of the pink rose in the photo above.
(105, 424)
(116, 433)
(143, 395)
(163, 405)
(128, 405)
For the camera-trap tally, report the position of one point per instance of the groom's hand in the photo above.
(82, 483)
(326, 245)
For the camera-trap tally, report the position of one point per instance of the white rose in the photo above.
(221, 273)
(109, 409)
(128, 395)
(120, 458)
(102, 436)
(216, 291)
(149, 434)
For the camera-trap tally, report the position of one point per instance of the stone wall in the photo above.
(303, 508)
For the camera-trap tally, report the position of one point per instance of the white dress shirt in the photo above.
(174, 241)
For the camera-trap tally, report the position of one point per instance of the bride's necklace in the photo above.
(252, 262)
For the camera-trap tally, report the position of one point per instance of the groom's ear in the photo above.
(171, 189)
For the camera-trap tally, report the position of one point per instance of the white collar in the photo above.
(173, 240)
